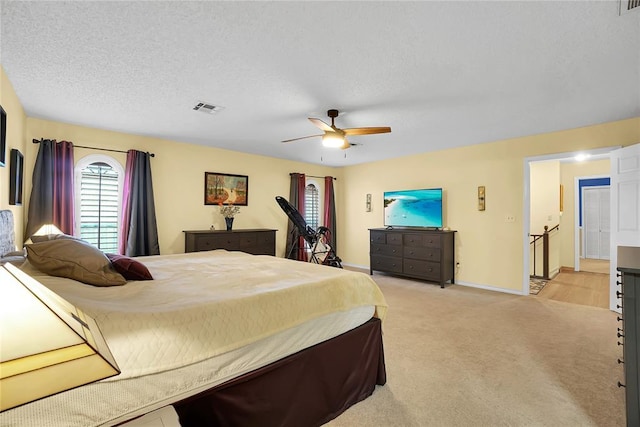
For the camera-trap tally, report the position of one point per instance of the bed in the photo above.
(224, 338)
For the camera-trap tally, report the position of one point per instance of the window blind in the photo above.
(99, 206)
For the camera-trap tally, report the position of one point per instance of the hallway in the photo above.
(587, 287)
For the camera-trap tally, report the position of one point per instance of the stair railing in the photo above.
(545, 251)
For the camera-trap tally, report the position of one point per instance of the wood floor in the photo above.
(581, 287)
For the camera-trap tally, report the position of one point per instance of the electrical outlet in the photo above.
(509, 218)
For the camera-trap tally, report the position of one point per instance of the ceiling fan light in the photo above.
(332, 140)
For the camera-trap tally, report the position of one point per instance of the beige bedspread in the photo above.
(207, 303)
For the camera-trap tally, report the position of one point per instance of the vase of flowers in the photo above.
(229, 212)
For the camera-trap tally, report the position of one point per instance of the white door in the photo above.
(605, 223)
(596, 207)
(625, 208)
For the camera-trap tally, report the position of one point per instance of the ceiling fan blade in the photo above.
(366, 131)
(302, 137)
(322, 125)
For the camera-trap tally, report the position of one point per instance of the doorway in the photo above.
(592, 223)
(595, 208)
(569, 225)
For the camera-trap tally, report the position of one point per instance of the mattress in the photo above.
(145, 388)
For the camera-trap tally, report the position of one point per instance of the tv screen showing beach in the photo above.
(413, 208)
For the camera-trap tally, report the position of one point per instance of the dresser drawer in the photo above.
(394, 239)
(423, 269)
(378, 237)
(414, 240)
(432, 240)
(389, 250)
(386, 263)
(424, 253)
(207, 242)
(248, 240)
(259, 244)
(385, 238)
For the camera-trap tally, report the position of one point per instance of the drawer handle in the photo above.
(430, 270)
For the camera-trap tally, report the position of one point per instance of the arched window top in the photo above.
(84, 162)
(98, 190)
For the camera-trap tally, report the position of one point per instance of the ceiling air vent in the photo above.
(207, 108)
(629, 5)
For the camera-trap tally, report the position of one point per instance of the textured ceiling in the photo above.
(441, 74)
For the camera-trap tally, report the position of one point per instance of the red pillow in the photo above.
(129, 267)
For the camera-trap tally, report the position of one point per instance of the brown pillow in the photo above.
(74, 259)
(46, 237)
(129, 267)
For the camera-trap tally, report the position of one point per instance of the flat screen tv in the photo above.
(413, 208)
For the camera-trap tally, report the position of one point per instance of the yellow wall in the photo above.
(16, 122)
(488, 248)
(544, 184)
(178, 179)
(569, 172)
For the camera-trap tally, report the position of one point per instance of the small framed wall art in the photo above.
(226, 189)
(16, 172)
(3, 136)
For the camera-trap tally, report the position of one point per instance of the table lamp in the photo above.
(47, 345)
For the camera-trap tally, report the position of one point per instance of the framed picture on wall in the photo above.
(226, 189)
(3, 135)
(16, 172)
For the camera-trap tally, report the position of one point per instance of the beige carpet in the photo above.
(467, 357)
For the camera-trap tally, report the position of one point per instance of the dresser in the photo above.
(629, 334)
(422, 254)
(256, 241)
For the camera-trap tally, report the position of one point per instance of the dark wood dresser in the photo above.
(253, 241)
(421, 254)
(629, 334)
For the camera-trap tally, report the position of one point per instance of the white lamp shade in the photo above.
(47, 345)
(47, 229)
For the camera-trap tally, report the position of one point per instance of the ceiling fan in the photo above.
(334, 136)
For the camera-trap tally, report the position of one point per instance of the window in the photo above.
(312, 206)
(98, 193)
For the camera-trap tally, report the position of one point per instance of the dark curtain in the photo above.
(51, 200)
(295, 248)
(139, 231)
(329, 214)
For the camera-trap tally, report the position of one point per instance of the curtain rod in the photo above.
(35, 141)
(313, 176)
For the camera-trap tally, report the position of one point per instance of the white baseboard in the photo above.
(490, 288)
(361, 267)
(458, 282)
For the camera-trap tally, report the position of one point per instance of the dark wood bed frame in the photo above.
(308, 388)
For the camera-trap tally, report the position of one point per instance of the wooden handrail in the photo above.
(545, 250)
